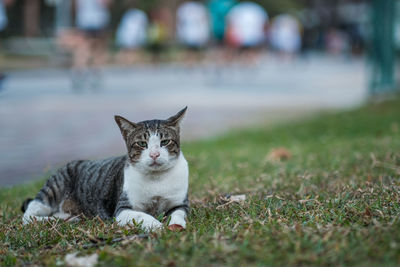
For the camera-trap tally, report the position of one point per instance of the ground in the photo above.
(45, 124)
(323, 191)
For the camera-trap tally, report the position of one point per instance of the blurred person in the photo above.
(246, 25)
(132, 34)
(70, 39)
(3, 25)
(218, 9)
(246, 31)
(92, 20)
(159, 31)
(357, 38)
(193, 28)
(337, 41)
(353, 19)
(3, 15)
(285, 35)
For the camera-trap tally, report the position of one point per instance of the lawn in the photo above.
(331, 196)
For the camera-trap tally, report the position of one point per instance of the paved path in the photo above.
(44, 124)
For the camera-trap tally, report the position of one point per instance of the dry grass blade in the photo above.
(123, 240)
(229, 199)
(377, 163)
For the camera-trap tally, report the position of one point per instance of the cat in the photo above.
(151, 179)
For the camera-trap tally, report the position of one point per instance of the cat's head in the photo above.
(153, 145)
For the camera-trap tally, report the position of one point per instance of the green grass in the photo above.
(336, 201)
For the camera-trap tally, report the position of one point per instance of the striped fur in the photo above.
(108, 187)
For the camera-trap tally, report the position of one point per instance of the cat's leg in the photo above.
(66, 211)
(178, 215)
(148, 222)
(47, 201)
(178, 218)
(36, 211)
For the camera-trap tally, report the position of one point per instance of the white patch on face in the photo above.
(155, 157)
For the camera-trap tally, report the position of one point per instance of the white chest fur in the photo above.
(171, 185)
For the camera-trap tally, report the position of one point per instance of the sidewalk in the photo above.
(44, 124)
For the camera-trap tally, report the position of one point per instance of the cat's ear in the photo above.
(124, 125)
(175, 120)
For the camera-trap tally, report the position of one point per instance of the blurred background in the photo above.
(68, 66)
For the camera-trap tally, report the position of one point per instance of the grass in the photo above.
(335, 201)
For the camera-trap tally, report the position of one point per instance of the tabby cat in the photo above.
(150, 180)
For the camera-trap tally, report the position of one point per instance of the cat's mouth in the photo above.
(155, 164)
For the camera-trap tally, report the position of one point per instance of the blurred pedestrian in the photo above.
(285, 35)
(247, 23)
(160, 31)
(132, 34)
(337, 42)
(246, 31)
(3, 15)
(192, 28)
(92, 21)
(218, 10)
(3, 25)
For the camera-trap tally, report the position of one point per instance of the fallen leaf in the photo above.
(279, 154)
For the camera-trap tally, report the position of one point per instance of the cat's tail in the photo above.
(25, 204)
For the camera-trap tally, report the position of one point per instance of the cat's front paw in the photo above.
(147, 222)
(177, 221)
(150, 225)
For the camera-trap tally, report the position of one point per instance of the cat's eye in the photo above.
(165, 142)
(142, 144)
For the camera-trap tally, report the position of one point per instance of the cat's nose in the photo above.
(154, 154)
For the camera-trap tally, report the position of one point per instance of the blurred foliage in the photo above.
(273, 7)
(146, 5)
(277, 7)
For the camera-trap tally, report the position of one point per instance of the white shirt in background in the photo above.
(246, 22)
(285, 34)
(193, 27)
(92, 14)
(132, 30)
